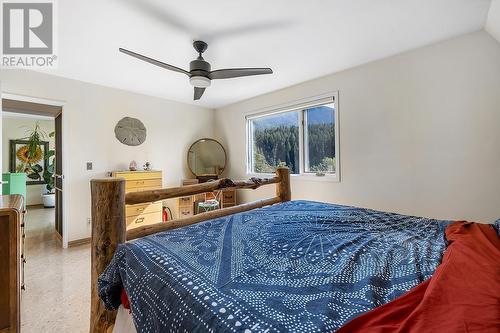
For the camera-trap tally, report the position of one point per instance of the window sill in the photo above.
(331, 178)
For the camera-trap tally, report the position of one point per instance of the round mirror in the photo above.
(206, 157)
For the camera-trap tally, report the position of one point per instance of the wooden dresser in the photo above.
(141, 214)
(12, 260)
(187, 205)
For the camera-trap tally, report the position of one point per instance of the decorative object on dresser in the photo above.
(144, 213)
(12, 263)
(206, 159)
(132, 166)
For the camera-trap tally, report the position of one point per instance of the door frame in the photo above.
(65, 152)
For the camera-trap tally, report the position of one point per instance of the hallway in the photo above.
(57, 295)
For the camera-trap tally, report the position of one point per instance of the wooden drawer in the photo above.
(185, 202)
(138, 189)
(229, 197)
(137, 175)
(143, 219)
(186, 211)
(147, 208)
(143, 183)
(200, 197)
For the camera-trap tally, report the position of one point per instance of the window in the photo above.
(302, 137)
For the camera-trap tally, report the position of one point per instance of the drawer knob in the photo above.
(139, 220)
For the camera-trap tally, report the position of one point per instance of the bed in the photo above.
(271, 266)
(298, 266)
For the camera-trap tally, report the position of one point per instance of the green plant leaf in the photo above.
(49, 154)
(37, 168)
(34, 176)
(47, 177)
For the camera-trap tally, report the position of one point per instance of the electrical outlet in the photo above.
(89, 221)
(89, 165)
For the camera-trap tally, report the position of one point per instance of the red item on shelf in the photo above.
(164, 215)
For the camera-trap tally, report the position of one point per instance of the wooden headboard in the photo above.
(108, 200)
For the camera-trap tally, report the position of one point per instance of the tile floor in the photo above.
(57, 295)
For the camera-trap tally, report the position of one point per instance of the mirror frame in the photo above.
(207, 139)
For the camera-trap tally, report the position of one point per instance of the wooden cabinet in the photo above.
(141, 214)
(187, 206)
(228, 198)
(12, 261)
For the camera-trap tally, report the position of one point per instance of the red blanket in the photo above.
(463, 295)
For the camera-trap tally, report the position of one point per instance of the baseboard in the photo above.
(34, 206)
(78, 242)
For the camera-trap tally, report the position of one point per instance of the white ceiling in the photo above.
(299, 40)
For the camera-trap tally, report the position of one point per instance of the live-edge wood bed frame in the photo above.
(109, 227)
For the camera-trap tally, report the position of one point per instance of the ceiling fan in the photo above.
(200, 73)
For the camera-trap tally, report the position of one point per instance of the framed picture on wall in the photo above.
(33, 167)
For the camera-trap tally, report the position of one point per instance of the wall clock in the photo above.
(130, 131)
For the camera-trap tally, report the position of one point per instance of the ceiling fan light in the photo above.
(200, 81)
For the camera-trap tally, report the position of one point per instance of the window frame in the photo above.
(299, 105)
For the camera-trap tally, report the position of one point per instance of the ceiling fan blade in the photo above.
(161, 13)
(198, 92)
(154, 62)
(238, 31)
(238, 72)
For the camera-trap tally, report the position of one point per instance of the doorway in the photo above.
(24, 121)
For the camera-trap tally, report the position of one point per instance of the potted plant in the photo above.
(33, 169)
(31, 154)
(49, 197)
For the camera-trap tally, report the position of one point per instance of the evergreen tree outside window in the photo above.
(276, 142)
(319, 139)
(304, 139)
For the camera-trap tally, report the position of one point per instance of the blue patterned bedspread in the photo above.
(299, 266)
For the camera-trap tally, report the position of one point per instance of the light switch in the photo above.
(89, 165)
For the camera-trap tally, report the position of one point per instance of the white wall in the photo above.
(90, 113)
(419, 132)
(493, 22)
(14, 128)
